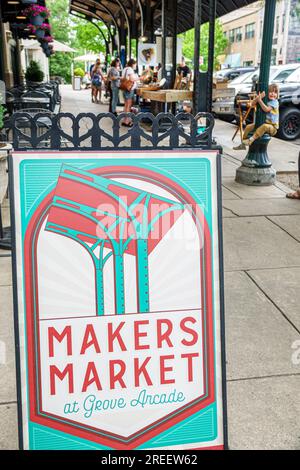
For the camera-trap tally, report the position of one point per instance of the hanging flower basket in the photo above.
(36, 20)
(46, 27)
(40, 31)
(44, 46)
(48, 39)
(36, 14)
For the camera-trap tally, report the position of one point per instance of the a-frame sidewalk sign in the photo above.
(118, 299)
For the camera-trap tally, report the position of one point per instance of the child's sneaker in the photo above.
(247, 142)
(240, 147)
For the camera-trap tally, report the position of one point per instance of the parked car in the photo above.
(223, 99)
(230, 74)
(289, 103)
(224, 107)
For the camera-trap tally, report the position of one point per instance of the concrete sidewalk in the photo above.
(262, 294)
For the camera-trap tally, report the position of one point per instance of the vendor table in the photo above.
(167, 96)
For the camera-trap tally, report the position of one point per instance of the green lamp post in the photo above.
(257, 169)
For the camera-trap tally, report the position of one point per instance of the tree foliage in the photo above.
(60, 62)
(60, 20)
(77, 33)
(220, 43)
(88, 36)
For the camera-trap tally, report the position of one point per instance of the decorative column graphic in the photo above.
(99, 212)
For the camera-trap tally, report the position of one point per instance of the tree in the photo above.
(60, 20)
(76, 32)
(60, 62)
(88, 36)
(220, 43)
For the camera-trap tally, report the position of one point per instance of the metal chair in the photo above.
(36, 100)
(43, 123)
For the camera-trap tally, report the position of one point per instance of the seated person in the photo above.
(187, 108)
(271, 124)
(86, 80)
(147, 75)
(183, 69)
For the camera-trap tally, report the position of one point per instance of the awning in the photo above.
(88, 57)
(119, 12)
(57, 46)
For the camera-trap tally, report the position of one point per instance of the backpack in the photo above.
(96, 79)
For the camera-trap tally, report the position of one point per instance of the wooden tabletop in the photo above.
(167, 96)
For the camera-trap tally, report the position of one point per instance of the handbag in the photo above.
(125, 84)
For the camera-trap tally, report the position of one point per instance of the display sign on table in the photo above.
(147, 54)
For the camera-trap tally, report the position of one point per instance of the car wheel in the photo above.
(289, 128)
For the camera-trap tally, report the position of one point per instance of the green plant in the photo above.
(36, 10)
(34, 73)
(1, 116)
(78, 72)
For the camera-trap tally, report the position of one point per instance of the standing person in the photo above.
(129, 74)
(183, 68)
(97, 78)
(91, 73)
(113, 77)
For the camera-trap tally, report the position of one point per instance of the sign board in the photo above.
(147, 54)
(118, 306)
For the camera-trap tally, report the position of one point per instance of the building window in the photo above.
(277, 25)
(250, 31)
(275, 41)
(231, 35)
(261, 28)
(238, 34)
(247, 63)
(273, 57)
(283, 23)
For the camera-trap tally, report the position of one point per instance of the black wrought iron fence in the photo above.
(87, 131)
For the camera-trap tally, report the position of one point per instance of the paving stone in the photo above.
(7, 346)
(258, 338)
(5, 271)
(253, 192)
(264, 414)
(283, 154)
(227, 194)
(275, 206)
(283, 287)
(256, 243)
(9, 427)
(290, 223)
(228, 168)
(227, 213)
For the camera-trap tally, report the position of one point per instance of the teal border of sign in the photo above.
(194, 175)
